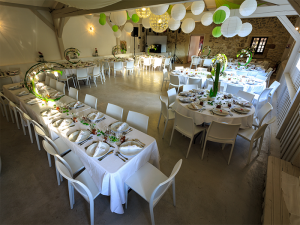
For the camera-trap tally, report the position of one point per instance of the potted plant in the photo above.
(123, 47)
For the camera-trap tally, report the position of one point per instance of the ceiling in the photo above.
(44, 3)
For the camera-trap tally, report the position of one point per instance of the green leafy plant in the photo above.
(151, 47)
(113, 139)
(100, 132)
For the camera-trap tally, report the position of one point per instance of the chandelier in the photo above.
(159, 23)
(143, 12)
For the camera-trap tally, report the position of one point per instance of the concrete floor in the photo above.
(208, 191)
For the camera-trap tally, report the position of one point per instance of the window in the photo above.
(259, 44)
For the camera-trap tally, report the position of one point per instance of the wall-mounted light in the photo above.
(91, 29)
(297, 28)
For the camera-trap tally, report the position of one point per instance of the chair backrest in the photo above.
(106, 65)
(96, 70)
(196, 81)
(184, 124)
(163, 187)
(147, 61)
(210, 82)
(157, 62)
(49, 146)
(73, 93)
(130, 64)
(174, 79)
(245, 95)
(223, 131)
(91, 101)
(38, 128)
(138, 121)
(171, 96)
(16, 79)
(80, 187)
(81, 73)
(232, 89)
(261, 130)
(47, 80)
(207, 62)
(274, 87)
(52, 83)
(165, 74)
(118, 65)
(167, 61)
(189, 87)
(264, 95)
(164, 108)
(263, 112)
(264, 78)
(195, 60)
(61, 87)
(114, 111)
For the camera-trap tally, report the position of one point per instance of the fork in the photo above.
(120, 157)
(119, 153)
(83, 142)
(126, 132)
(137, 140)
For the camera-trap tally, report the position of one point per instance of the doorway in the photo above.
(196, 45)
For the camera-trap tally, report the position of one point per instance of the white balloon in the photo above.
(174, 24)
(226, 9)
(118, 34)
(188, 25)
(119, 18)
(245, 30)
(159, 10)
(197, 7)
(231, 26)
(146, 22)
(248, 7)
(207, 19)
(131, 12)
(178, 12)
(89, 16)
(128, 27)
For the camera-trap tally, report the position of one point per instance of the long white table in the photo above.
(108, 174)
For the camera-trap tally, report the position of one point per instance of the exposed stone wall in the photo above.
(269, 27)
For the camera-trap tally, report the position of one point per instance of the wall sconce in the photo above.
(297, 28)
(91, 29)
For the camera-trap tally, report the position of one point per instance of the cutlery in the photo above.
(126, 132)
(110, 152)
(97, 121)
(137, 140)
(119, 153)
(110, 145)
(68, 127)
(120, 157)
(83, 142)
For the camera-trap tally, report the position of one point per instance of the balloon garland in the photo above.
(151, 47)
(71, 50)
(115, 50)
(222, 59)
(244, 52)
(209, 50)
(31, 79)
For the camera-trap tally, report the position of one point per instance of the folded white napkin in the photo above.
(97, 115)
(22, 93)
(130, 147)
(99, 149)
(79, 136)
(13, 87)
(77, 104)
(222, 111)
(121, 127)
(185, 93)
(57, 94)
(66, 122)
(194, 106)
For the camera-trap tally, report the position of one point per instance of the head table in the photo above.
(109, 174)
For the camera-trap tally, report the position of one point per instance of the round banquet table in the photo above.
(246, 120)
(247, 87)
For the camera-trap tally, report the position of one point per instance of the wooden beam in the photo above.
(59, 40)
(290, 27)
(188, 4)
(24, 6)
(54, 4)
(61, 27)
(296, 5)
(123, 5)
(278, 2)
(39, 15)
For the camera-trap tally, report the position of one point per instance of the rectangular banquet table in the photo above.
(108, 174)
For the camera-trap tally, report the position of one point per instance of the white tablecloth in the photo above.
(205, 116)
(108, 174)
(72, 71)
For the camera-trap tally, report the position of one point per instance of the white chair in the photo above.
(16, 79)
(157, 63)
(274, 87)
(130, 66)
(150, 183)
(261, 115)
(186, 126)
(168, 114)
(232, 89)
(174, 82)
(196, 81)
(168, 63)
(64, 78)
(83, 183)
(195, 61)
(118, 66)
(52, 83)
(147, 62)
(222, 133)
(165, 78)
(82, 75)
(4, 101)
(138, 121)
(253, 136)
(114, 111)
(28, 121)
(189, 87)
(47, 80)
(106, 68)
(61, 87)
(4, 81)
(171, 97)
(13, 112)
(71, 158)
(263, 97)
(91, 101)
(207, 62)
(96, 73)
(245, 95)
(73, 93)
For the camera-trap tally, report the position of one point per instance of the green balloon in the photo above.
(115, 28)
(102, 21)
(217, 32)
(135, 18)
(219, 16)
(226, 5)
(170, 9)
(128, 17)
(102, 15)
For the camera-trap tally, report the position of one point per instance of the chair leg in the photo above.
(68, 84)
(171, 136)
(187, 154)
(6, 114)
(174, 195)
(260, 144)
(49, 159)
(2, 109)
(223, 146)
(74, 83)
(37, 140)
(250, 151)
(11, 114)
(23, 126)
(230, 153)
(165, 128)
(58, 181)
(204, 148)
(159, 120)
(29, 131)
(89, 80)
(71, 195)
(78, 84)
(151, 214)
(92, 211)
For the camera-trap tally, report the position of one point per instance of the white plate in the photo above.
(90, 151)
(199, 107)
(115, 126)
(223, 113)
(73, 136)
(130, 152)
(185, 99)
(49, 112)
(185, 93)
(244, 111)
(92, 115)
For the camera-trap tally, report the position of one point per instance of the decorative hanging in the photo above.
(102, 19)
(245, 52)
(217, 32)
(118, 34)
(151, 47)
(159, 10)
(128, 27)
(178, 12)
(135, 18)
(143, 12)
(146, 22)
(219, 16)
(226, 9)
(174, 24)
(209, 50)
(74, 51)
(188, 25)
(115, 50)
(221, 58)
(131, 12)
(197, 7)
(248, 7)
(115, 28)
(245, 30)
(159, 23)
(231, 26)
(207, 19)
(170, 9)
(119, 18)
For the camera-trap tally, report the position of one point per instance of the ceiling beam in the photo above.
(41, 17)
(123, 5)
(289, 27)
(296, 5)
(278, 2)
(24, 6)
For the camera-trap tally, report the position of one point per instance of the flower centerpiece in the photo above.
(115, 50)
(123, 47)
(72, 53)
(245, 52)
(209, 51)
(151, 47)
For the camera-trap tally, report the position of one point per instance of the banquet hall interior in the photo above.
(149, 112)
